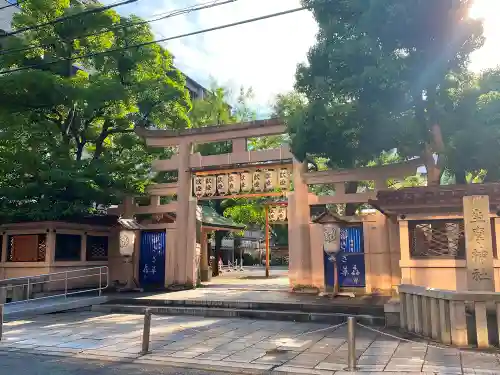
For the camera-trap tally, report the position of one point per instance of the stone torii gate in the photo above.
(305, 238)
(181, 267)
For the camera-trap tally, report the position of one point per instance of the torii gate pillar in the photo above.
(300, 272)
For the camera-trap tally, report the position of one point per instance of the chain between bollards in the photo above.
(351, 343)
(146, 332)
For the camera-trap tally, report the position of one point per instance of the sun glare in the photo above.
(479, 10)
(489, 55)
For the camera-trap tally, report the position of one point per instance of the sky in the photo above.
(264, 54)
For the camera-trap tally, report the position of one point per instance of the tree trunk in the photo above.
(460, 177)
(218, 248)
(433, 169)
(493, 175)
(435, 147)
(214, 264)
(434, 173)
(79, 150)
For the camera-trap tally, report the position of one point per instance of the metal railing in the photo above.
(231, 266)
(32, 283)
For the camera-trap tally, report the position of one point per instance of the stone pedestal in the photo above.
(206, 275)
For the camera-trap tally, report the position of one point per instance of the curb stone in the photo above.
(208, 365)
(217, 312)
(293, 370)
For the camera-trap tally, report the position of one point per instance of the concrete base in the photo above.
(206, 275)
(294, 316)
(391, 312)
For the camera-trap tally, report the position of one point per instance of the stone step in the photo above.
(309, 307)
(220, 312)
(18, 310)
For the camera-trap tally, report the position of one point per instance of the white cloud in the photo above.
(262, 54)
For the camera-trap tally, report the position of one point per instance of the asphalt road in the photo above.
(12, 363)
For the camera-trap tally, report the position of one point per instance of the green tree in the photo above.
(213, 110)
(379, 77)
(67, 140)
(243, 111)
(472, 128)
(245, 211)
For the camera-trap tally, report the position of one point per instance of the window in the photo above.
(1, 247)
(97, 248)
(26, 248)
(68, 247)
(437, 239)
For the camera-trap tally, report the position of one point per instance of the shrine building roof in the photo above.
(433, 199)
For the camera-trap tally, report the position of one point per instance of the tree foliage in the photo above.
(245, 211)
(472, 128)
(67, 139)
(383, 75)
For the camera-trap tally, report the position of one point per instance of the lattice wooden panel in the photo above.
(97, 247)
(437, 238)
(42, 247)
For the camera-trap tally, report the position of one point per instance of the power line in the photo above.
(189, 9)
(70, 16)
(267, 16)
(160, 16)
(12, 4)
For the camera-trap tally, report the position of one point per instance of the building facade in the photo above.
(6, 14)
(196, 91)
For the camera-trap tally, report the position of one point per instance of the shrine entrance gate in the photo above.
(197, 175)
(241, 173)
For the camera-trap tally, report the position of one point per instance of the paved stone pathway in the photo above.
(33, 364)
(233, 345)
(252, 278)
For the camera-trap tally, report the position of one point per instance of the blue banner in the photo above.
(351, 270)
(351, 240)
(152, 259)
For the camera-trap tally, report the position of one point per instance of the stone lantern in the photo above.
(331, 245)
(128, 229)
